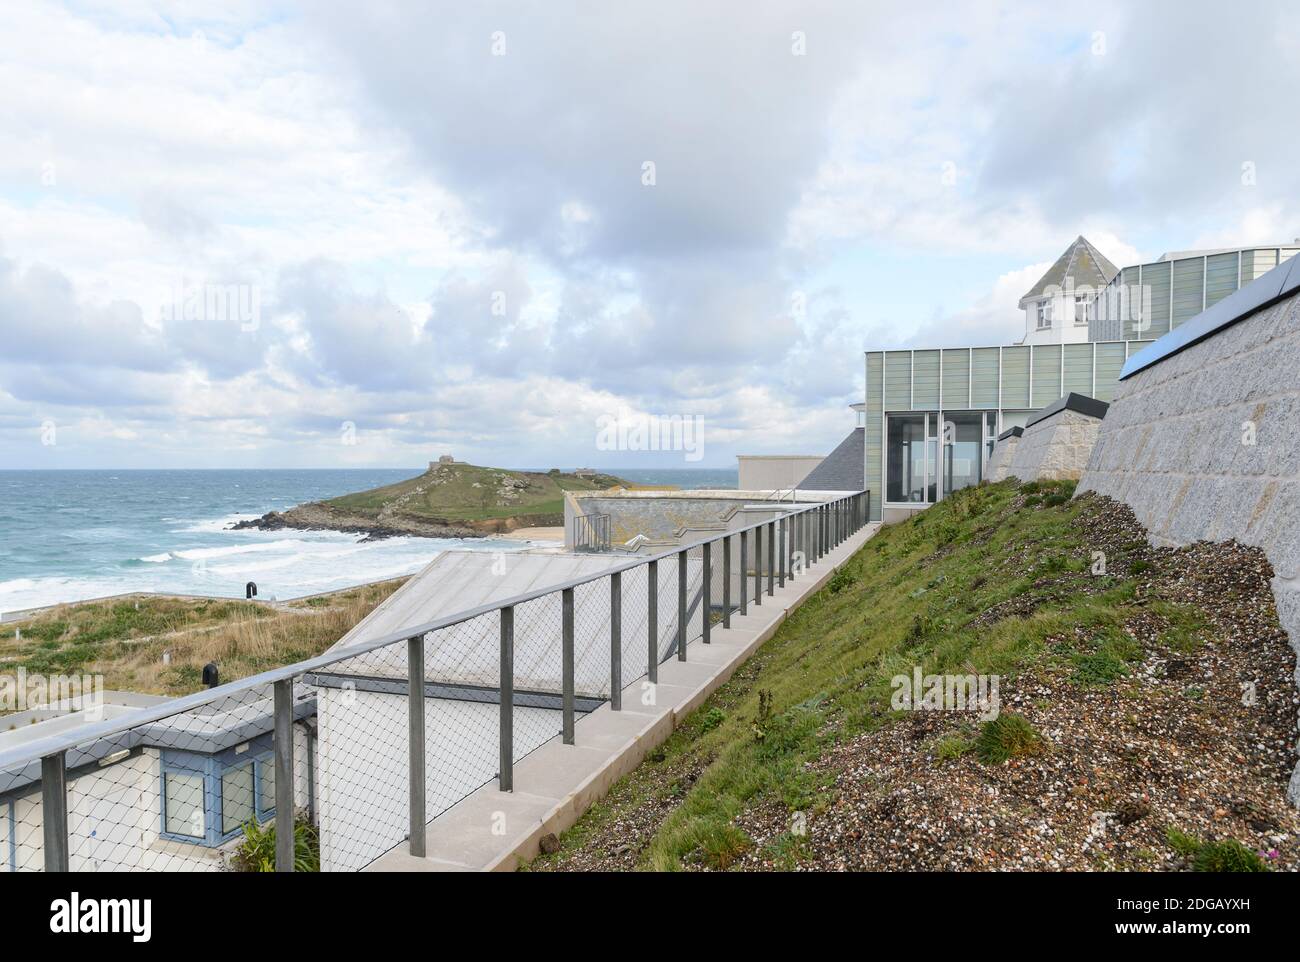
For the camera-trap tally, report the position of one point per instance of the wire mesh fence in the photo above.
(330, 763)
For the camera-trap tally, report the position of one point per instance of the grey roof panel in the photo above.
(1088, 266)
(841, 470)
(1079, 403)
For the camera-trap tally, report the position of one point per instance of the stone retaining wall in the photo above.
(1203, 446)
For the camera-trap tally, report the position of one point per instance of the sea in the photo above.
(75, 535)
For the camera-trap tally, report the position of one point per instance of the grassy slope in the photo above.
(468, 492)
(124, 639)
(911, 596)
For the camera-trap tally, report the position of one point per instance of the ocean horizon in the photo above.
(74, 534)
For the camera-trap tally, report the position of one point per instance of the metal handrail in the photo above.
(54, 744)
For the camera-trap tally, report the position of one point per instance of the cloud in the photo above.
(454, 249)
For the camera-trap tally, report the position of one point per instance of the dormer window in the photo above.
(1045, 315)
(1081, 310)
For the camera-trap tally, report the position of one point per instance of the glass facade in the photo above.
(931, 416)
(931, 452)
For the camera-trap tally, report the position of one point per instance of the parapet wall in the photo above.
(1203, 446)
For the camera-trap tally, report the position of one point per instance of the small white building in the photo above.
(1056, 308)
(171, 795)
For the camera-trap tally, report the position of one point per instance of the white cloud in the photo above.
(453, 249)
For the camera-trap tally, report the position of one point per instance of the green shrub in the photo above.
(1097, 668)
(256, 853)
(839, 581)
(712, 718)
(1007, 736)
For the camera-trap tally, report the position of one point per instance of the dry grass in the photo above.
(124, 640)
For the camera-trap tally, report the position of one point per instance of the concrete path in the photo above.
(494, 830)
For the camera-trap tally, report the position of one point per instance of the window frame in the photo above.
(1081, 310)
(212, 768)
(1045, 314)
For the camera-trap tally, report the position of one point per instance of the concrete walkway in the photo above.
(494, 831)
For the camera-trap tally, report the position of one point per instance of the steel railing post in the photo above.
(283, 747)
(506, 739)
(652, 620)
(780, 536)
(54, 812)
(415, 742)
(758, 566)
(771, 557)
(566, 662)
(616, 641)
(744, 572)
(706, 601)
(726, 581)
(681, 606)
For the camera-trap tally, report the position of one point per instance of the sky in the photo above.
(278, 234)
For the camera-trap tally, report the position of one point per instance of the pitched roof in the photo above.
(842, 469)
(1081, 261)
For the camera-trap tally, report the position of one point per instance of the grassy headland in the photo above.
(449, 500)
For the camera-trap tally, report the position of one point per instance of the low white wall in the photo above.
(774, 472)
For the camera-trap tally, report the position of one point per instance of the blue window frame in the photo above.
(205, 799)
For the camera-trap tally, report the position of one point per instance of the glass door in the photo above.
(963, 449)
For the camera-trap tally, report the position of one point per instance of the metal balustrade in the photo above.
(362, 746)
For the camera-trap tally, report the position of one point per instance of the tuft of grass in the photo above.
(952, 747)
(721, 845)
(1228, 855)
(1225, 855)
(1005, 737)
(839, 581)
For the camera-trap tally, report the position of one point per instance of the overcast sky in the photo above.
(356, 234)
